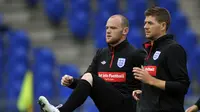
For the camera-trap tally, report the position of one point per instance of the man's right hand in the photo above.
(193, 108)
(136, 94)
(66, 80)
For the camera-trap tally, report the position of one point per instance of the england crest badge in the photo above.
(156, 55)
(121, 62)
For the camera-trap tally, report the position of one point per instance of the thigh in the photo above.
(107, 97)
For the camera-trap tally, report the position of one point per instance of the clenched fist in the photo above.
(66, 80)
(136, 94)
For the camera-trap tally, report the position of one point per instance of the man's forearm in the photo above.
(157, 83)
(169, 86)
(74, 83)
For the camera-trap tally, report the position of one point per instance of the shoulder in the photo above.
(135, 52)
(101, 51)
(141, 53)
(171, 46)
(176, 49)
(130, 48)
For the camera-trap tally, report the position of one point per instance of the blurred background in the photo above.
(41, 40)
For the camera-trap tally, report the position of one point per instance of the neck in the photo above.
(120, 41)
(157, 37)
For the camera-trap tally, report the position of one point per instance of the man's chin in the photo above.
(149, 37)
(111, 42)
(108, 42)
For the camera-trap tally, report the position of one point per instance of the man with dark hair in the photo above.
(164, 74)
(108, 80)
(195, 107)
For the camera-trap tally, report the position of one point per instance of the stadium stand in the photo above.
(32, 44)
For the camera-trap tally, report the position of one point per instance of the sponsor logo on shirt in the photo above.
(151, 70)
(113, 76)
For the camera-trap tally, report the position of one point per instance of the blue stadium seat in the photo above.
(99, 32)
(14, 83)
(70, 70)
(44, 83)
(101, 18)
(13, 62)
(18, 53)
(139, 6)
(2, 77)
(43, 70)
(131, 16)
(18, 38)
(188, 40)
(100, 39)
(136, 38)
(89, 106)
(1, 57)
(1, 64)
(64, 93)
(110, 5)
(194, 63)
(179, 23)
(100, 43)
(190, 69)
(44, 55)
(17, 71)
(170, 5)
(13, 91)
(17, 49)
(44, 87)
(55, 10)
(191, 77)
(15, 56)
(190, 92)
(79, 23)
(1, 42)
(79, 4)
